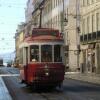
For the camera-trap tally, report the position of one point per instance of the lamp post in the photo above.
(64, 23)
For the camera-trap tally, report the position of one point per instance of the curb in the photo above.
(82, 77)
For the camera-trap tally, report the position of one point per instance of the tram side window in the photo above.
(46, 53)
(21, 56)
(34, 53)
(57, 53)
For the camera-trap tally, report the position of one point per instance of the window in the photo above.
(34, 53)
(57, 53)
(46, 53)
(93, 26)
(21, 56)
(83, 3)
(88, 24)
(83, 26)
(88, 2)
(97, 21)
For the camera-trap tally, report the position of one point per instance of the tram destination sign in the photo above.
(44, 31)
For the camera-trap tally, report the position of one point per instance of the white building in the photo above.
(90, 35)
(72, 31)
(29, 10)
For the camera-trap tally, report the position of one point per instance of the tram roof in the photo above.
(47, 34)
(45, 31)
(43, 38)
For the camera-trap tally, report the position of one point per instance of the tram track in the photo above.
(55, 96)
(71, 90)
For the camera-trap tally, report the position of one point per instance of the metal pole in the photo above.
(41, 6)
(77, 32)
(62, 21)
(40, 24)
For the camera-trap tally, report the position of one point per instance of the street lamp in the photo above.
(65, 20)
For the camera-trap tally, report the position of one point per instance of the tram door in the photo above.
(23, 70)
(25, 62)
(26, 56)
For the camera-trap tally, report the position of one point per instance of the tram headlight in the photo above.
(47, 74)
(46, 68)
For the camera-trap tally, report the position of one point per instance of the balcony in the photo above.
(81, 38)
(89, 36)
(98, 35)
(94, 35)
(85, 37)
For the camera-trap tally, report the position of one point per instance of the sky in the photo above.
(12, 13)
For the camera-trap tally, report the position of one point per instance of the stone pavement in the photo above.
(87, 77)
(4, 94)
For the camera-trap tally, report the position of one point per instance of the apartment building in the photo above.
(28, 11)
(28, 16)
(90, 36)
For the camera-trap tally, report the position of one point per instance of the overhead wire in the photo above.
(9, 41)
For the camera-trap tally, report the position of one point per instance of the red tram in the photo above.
(42, 58)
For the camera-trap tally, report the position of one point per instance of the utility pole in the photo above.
(77, 30)
(40, 23)
(66, 46)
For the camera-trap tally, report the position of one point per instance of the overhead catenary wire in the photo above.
(9, 22)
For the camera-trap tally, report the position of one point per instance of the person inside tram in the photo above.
(46, 57)
(34, 55)
(33, 60)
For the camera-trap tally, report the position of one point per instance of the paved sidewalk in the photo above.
(4, 94)
(87, 77)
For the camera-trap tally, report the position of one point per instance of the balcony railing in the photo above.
(90, 37)
(94, 36)
(98, 34)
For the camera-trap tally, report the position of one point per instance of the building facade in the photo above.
(90, 36)
(28, 11)
(72, 31)
(19, 37)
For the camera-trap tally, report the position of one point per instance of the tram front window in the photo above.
(34, 53)
(46, 53)
(57, 53)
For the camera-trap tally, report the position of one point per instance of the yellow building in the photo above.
(18, 40)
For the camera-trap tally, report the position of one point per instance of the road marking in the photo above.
(9, 75)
